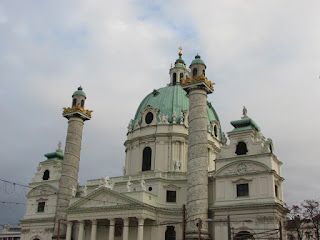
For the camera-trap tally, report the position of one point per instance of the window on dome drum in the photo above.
(174, 79)
(41, 206)
(170, 233)
(194, 72)
(146, 159)
(149, 118)
(276, 189)
(46, 175)
(204, 72)
(74, 102)
(215, 130)
(82, 103)
(243, 190)
(171, 196)
(241, 148)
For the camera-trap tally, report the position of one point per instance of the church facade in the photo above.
(151, 200)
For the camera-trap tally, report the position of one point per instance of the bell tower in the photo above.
(76, 115)
(179, 70)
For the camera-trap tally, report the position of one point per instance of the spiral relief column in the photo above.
(76, 115)
(197, 194)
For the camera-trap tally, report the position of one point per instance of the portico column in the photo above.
(140, 229)
(111, 229)
(126, 229)
(93, 229)
(81, 229)
(69, 231)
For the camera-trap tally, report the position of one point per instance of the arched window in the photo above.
(82, 103)
(181, 76)
(46, 175)
(204, 72)
(241, 148)
(146, 159)
(194, 72)
(170, 233)
(74, 102)
(244, 235)
(174, 80)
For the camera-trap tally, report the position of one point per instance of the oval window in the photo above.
(215, 129)
(149, 118)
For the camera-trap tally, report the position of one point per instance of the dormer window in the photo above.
(46, 175)
(241, 148)
(149, 118)
(41, 206)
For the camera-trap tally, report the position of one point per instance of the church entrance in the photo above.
(170, 233)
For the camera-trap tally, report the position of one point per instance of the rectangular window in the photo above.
(243, 190)
(41, 206)
(171, 196)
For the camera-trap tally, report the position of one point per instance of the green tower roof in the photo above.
(198, 60)
(244, 124)
(79, 92)
(171, 99)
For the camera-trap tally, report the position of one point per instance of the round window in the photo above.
(150, 189)
(215, 129)
(149, 118)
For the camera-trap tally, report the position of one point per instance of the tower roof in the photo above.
(180, 62)
(79, 92)
(198, 60)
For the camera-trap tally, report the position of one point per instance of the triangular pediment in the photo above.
(103, 198)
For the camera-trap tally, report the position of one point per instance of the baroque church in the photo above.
(184, 178)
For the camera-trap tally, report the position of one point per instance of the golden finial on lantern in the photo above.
(180, 53)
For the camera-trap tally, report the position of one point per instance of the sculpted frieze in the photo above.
(240, 168)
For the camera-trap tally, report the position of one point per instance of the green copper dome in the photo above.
(79, 92)
(171, 99)
(198, 60)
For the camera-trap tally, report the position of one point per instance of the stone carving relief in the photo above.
(177, 165)
(163, 118)
(130, 125)
(242, 168)
(129, 185)
(143, 184)
(182, 117)
(224, 139)
(137, 124)
(73, 191)
(174, 117)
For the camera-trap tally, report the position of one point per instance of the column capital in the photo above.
(141, 220)
(112, 221)
(94, 221)
(81, 221)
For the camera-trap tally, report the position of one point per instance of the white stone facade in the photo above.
(149, 204)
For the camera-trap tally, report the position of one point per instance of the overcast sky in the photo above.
(264, 55)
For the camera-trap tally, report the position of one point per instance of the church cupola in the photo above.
(198, 67)
(78, 98)
(179, 70)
